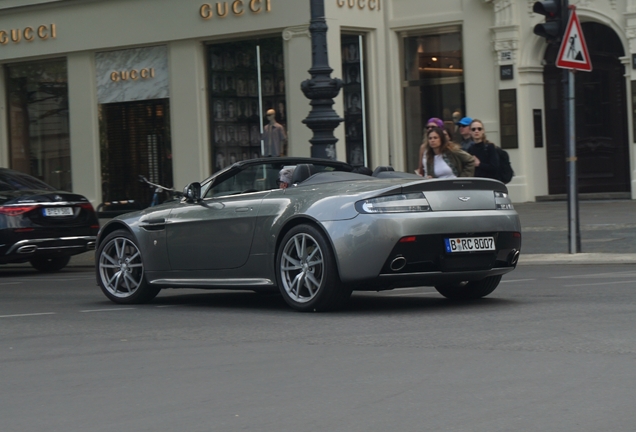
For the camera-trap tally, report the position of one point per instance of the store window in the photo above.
(39, 143)
(433, 86)
(354, 92)
(246, 80)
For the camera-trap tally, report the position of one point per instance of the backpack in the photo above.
(506, 173)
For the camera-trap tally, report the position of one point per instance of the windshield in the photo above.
(18, 181)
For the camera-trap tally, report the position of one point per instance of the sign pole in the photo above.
(573, 55)
(574, 235)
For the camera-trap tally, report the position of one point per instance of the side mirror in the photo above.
(192, 192)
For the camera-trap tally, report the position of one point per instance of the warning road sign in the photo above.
(573, 53)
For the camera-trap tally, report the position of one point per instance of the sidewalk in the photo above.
(608, 234)
(607, 227)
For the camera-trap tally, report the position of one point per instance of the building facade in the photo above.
(94, 93)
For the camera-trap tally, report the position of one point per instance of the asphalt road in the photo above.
(552, 349)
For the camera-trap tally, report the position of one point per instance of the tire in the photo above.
(469, 290)
(50, 264)
(306, 272)
(120, 270)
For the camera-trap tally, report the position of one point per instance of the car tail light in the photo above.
(402, 203)
(16, 210)
(87, 206)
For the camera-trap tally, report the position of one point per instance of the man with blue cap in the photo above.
(464, 130)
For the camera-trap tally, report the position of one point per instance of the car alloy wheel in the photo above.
(302, 267)
(307, 271)
(121, 270)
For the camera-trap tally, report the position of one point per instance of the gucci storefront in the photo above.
(95, 93)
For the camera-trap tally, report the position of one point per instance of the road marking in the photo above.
(106, 310)
(27, 315)
(516, 280)
(597, 275)
(600, 283)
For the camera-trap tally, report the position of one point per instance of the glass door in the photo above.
(433, 84)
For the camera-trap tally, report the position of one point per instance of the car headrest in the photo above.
(380, 169)
(302, 173)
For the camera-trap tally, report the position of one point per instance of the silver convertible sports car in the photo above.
(332, 231)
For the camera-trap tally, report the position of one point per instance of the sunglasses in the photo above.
(431, 127)
(477, 129)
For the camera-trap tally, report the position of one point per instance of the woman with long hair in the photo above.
(440, 159)
(485, 153)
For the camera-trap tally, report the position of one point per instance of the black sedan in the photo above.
(42, 225)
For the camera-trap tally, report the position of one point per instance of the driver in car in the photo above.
(285, 177)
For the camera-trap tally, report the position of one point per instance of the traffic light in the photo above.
(553, 27)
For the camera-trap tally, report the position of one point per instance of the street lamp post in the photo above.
(321, 88)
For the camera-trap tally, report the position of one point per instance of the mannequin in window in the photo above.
(274, 136)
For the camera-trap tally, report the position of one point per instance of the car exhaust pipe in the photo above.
(27, 249)
(514, 257)
(398, 263)
(90, 245)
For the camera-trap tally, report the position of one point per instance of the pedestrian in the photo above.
(464, 130)
(439, 159)
(433, 122)
(485, 153)
(451, 143)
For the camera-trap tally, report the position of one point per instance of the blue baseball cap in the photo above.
(466, 121)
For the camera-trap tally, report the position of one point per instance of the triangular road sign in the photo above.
(573, 53)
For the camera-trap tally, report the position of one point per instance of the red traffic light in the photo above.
(548, 8)
(552, 28)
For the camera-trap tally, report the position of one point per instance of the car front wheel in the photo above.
(469, 290)
(120, 270)
(306, 270)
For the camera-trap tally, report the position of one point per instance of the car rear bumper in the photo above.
(367, 246)
(391, 281)
(24, 250)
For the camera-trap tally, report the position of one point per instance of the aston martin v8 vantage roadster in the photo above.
(330, 232)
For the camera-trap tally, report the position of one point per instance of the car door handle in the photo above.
(242, 209)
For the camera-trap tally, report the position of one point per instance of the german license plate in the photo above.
(58, 211)
(469, 244)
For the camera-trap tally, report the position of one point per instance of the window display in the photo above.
(353, 92)
(242, 90)
(37, 95)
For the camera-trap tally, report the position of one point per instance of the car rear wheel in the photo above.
(50, 264)
(469, 290)
(306, 270)
(120, 270)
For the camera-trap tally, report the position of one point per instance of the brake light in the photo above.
(16, 210)
(87, 206)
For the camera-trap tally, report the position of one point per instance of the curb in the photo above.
(579, 258)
